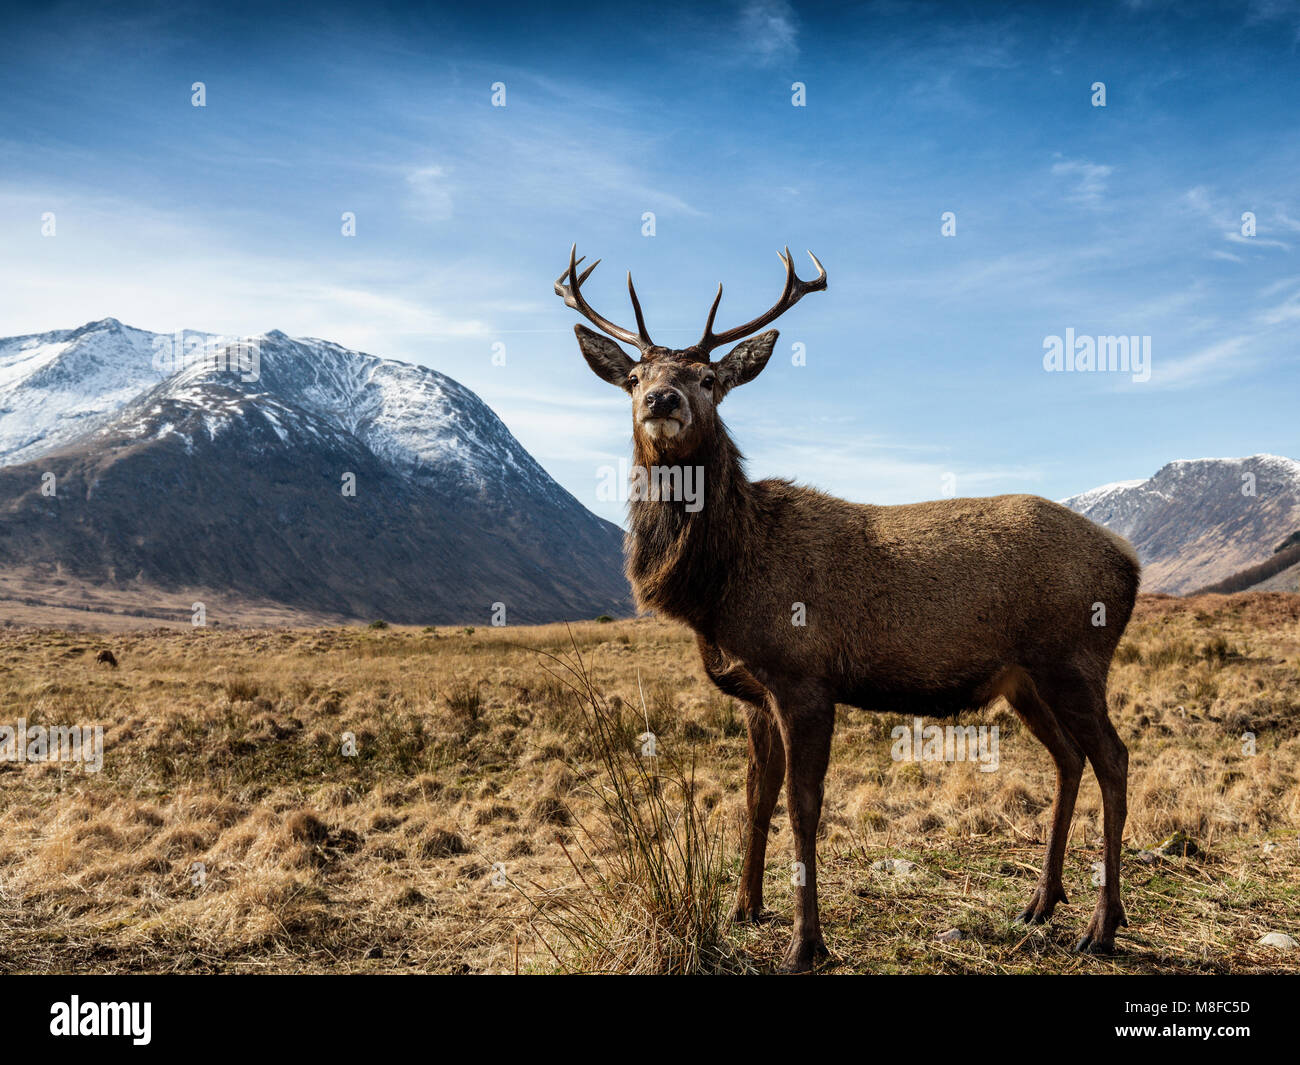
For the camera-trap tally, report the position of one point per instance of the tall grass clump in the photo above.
(652, 884)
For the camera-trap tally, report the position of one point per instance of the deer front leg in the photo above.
(806, 726)
(763, 779)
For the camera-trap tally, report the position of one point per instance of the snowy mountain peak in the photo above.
(55, 386)
(1196, 521)
(108, 378)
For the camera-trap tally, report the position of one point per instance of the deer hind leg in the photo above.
(1081, 711)
(764, 774)
(1109, 758)
(807, 720)
(1066, 753)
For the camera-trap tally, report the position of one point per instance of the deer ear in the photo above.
(746, 360)
(606, 359)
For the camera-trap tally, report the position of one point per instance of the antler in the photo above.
(794, 291)
(573, 298)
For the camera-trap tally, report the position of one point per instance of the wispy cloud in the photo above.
(1231, 222)
(430, 197)
(1272, 12)
(1218, 360)
(1286, 311)
(1089, 180)
(768, 30)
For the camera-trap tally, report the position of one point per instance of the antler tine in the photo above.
(713, 311)
(791, 293)
(643, 339)
(572, 296)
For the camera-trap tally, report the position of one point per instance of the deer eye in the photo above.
(707, 382)
(632, 381)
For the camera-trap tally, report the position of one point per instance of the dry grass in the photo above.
(478, 769)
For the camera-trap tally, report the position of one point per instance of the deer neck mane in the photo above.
(683, 556)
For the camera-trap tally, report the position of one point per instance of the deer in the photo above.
(800, 601)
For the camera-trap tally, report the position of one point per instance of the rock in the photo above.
(1149, 857)
(953, 935)
(1279, 940)
(896, 866)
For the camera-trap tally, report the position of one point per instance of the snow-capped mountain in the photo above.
(1198, 521)
(55, 386)
(287, 469)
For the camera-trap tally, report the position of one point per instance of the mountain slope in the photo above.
(55, 386)
(1278, 573)
(233, 480)
(1199, 521)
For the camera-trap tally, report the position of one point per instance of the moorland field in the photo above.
(491, 818)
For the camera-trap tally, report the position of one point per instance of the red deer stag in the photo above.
(929, 608)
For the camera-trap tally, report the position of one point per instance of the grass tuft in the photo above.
(652, 883)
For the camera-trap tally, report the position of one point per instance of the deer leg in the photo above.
(1086, 719)
(806, 727)
(763, 779)
(764, 775)
(1068, 757)
(1109, 758)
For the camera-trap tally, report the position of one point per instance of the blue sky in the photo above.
(924, 359)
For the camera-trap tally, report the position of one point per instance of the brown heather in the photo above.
(224, 748)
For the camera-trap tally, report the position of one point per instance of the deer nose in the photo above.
(664, 402)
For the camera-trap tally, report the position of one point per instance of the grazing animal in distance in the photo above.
(106, 658)
(800, 601)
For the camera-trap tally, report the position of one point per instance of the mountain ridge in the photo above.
(362, 487)
(1196, 522)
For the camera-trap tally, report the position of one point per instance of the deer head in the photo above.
(675, 392)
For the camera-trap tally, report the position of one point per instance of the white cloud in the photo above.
(430, 198)
(1237, 237)
(1090, 180)
(1228, 220)
(159, 271)
(768, 30)
(1214, 362)
(1286, 311)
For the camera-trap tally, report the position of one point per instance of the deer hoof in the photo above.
(802, 957)
(1088, 945)
(751, 915)
(1041, 906)
(1099, 936)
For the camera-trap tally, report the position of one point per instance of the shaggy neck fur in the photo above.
(680, 563)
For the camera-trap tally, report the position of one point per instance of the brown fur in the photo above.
(928, 608)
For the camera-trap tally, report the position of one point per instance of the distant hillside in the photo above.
(1281, 573)
(1200, 521)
